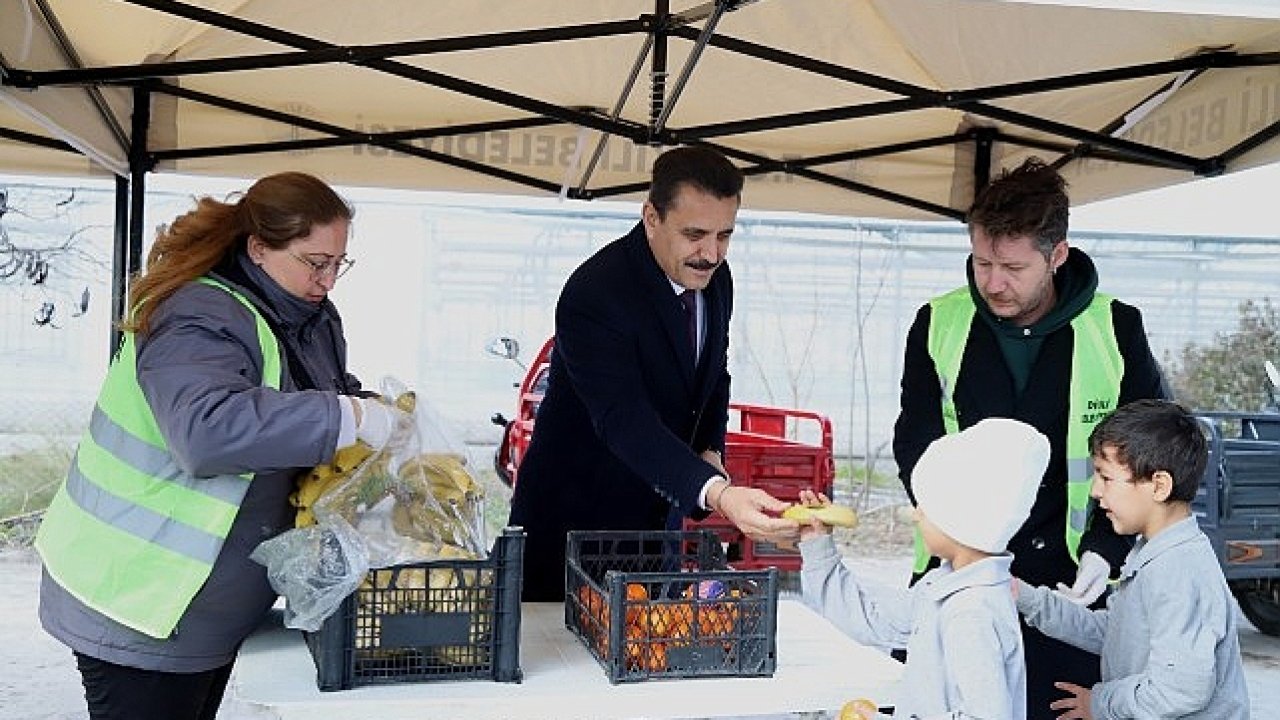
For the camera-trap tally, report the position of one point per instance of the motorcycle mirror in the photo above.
(504, 348)
(1272, 374)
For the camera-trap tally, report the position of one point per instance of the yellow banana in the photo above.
(324, 477)
(834, 515)
(407, 401)
(347, 458)
(860, 709)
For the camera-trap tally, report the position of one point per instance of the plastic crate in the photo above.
(421, 622)
(667, 605)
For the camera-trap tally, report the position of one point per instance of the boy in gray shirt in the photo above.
(1167, 636)
(973, 490)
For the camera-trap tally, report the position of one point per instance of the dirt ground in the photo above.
(38, 679)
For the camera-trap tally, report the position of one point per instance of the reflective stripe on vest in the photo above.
(1096, 370)
(130, 534)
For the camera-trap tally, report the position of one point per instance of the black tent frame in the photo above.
(657, 29)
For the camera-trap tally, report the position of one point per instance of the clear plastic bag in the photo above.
(314, 568)
(413, 496)
(414, 500)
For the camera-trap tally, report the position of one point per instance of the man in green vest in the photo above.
(1030, 338)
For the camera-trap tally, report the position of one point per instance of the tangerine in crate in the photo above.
(666, 604)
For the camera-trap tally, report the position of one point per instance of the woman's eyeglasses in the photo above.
(337, 267)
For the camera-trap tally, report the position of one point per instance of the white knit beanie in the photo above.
(978, 485)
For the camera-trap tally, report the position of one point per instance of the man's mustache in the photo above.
(701, 264)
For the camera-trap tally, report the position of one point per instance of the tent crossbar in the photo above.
(627, 87)
(38, 140)
(762, 165)
(371, 139)
(808, 117)
(391, 67)
(808, 64)
(1074, 151)
(348, 54)
(72, 58)
(1234, 152)
(1166, 158)
(348, 139)
(1118, 149)
(1125, 121)
(1219, 59)
(881, 193)
(606, 191)
(881, 150)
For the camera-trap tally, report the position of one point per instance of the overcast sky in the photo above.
(1241, 203)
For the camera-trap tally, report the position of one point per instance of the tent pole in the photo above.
(708, 29)
(129, 257)
(119, 256)
(983, 139)
(658, 65)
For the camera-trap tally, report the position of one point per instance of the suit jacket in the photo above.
(616, 441)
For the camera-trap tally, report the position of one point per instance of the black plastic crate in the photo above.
(666, 604)
(421, 622)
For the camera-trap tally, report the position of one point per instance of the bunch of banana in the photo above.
(326, 477)
(418, 590)
(323, 478)
(445, 500)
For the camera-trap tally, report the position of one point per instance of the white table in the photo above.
(818, 670)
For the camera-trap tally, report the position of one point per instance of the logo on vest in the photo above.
(1097, 409)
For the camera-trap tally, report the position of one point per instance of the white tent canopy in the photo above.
(885, 108)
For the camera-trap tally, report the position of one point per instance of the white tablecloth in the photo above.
(818, 670)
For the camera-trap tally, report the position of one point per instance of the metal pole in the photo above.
(119, 258)
(139, 164)
(982, 159)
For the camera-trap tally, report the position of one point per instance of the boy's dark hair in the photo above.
(703, 168)
(1028, 200)
(1152, 435)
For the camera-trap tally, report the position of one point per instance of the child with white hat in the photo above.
(958, 624)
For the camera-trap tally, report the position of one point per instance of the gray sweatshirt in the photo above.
(200, 369)
(960, 629)
(1167, 637)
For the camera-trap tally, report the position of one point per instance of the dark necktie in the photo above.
(689, 299)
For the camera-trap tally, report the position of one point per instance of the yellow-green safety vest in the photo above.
(130, 534)
(1096, 370)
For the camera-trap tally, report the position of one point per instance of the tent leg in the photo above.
(983, 141)
(131, 196)
(119, 258)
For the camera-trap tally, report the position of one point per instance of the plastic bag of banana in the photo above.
(408, 503)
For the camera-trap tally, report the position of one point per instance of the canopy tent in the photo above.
(880, 108)
(884, 108)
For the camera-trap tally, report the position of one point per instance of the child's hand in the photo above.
(1077, 705)
(814, 527)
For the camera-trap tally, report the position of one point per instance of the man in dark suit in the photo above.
(630, 434)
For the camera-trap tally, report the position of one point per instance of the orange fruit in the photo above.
(681, 620)
(714, 619)
(637, 599)
(656, 658)
(637, 648)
